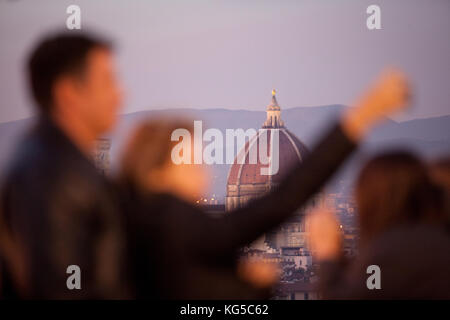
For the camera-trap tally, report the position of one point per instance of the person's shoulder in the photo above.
(414, 236)
(190, 210)
(28, 157)
(413, 259)
(411, 245)
(40, 162)
(169, 207)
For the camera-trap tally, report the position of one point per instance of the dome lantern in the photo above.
(273, 119)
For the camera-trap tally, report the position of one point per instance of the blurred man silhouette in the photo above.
(54, 202)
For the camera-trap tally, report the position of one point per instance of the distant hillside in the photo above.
(429, 137)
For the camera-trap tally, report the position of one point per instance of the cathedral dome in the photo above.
(245, 179)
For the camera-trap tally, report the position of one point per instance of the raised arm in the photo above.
(239, 227)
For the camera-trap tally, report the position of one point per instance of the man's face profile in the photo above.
(95, 94)
(100, 92)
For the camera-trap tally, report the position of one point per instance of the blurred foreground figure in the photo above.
(190, 255)
(440, 173)
(57, 210)
(403, 230)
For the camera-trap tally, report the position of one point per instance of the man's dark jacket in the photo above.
(62, 211)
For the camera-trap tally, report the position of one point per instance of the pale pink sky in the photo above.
(231, 53)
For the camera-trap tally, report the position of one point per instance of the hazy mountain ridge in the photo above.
(429, 137)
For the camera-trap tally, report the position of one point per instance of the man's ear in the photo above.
(64, 93)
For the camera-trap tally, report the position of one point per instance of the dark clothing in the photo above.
(63, 212)
(184, 242)
(414, 261)
(166, 239)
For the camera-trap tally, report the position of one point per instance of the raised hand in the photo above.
(390, 93)
(325, 239)
(258, 273)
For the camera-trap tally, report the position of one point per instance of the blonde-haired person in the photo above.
(177, 251)
(166, 192)
(146, 162)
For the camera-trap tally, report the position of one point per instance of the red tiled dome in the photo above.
(245, 180)
(291, 152)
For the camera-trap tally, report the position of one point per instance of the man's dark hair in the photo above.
(57, 55)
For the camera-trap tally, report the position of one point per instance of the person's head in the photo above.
(394, 189)
(72, 75)
(148, 165)
(440, 173)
